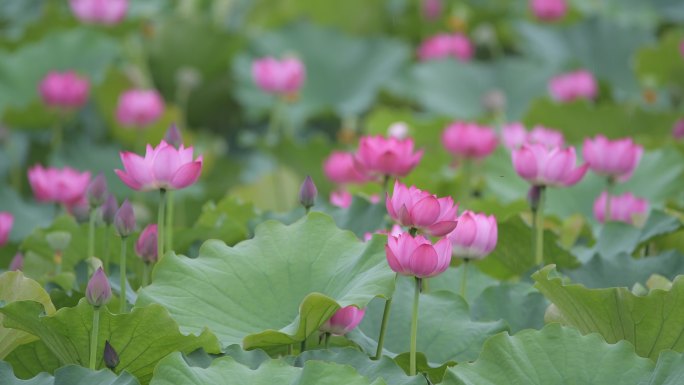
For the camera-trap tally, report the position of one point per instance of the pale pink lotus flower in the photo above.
(623, 208)
(445, 45)
(469, 140)
(341, 198)
(382, 156)
(615, 159)
(431, 9)
(64, 90)
(419, 209)
(514, 135)
(6, 223)
(417, 256)
(163, 167)
(343, 321)
(280, 77)
(340, 168)
(549, 10)
(543, 166)
(139, 108)
(146, 245)
(107, 12)
(678, 129)
(475, 236)
(98, 290)
(66, 186)
(572, 86)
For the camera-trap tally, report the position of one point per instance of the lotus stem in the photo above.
(160, 224)
(169, 221)
(122, 268)
(383, 328)
(465, 277)
(414, 329)
(91, 232)
(538, 224)
(609, 187)
(93, 337)
(105, 253)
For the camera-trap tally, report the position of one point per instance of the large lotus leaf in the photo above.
(653, 323)
(141, 338)
(37, 244)
(445, 332)
(560, 355)
(504, 301)
(174, 370)
(30, 359)
(450, 280)
(274, 289)
(15, 287)
(68, 375)
(662, 64)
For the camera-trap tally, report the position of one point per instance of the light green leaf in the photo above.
(505, 301)
(69, 375)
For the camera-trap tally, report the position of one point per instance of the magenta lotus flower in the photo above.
(469, 140)
(107, 12)
(514, 135)
(280, 77)
(543, 166)
(431, 9)
(340, 168)
(146, 245)
(6, 223)
(343, 321)
(342, 199)
(417, 256)
(66, 186)
(573, 85)
(163, 167)
(678, 129)
(386, 156)
(412, 207)
(475, 236)
(549, 10)
(139, 108)
(623, 208)
(444, 45)
(98, 291)
(612, 158)
(64, 90)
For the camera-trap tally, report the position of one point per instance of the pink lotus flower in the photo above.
(146, 245)
(623, 208)
(107, 12)
(6, 222)
(139, 108)
(98, 291)
(444, 45)
(341, 198)
(612, 158)
(548, 10)
(281, 77)
(65, 90)
(394, 231)
(475, 236)
(431, 9)
(573, 85)
(469, 140)
(163, 167)
(66, 186)
(417, 256)
(514, 135)
(340, 168)
(343, 321)
(678, 129)
(387, 156)
(543, 166)
(412, 207)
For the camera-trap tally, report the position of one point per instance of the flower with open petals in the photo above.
(613, 158)
(575, 85)
(340, 168)
(387, 156)
(469, 140)
(282, 77)
(549, 10)
(106, 12)
(475, 236)
(445, 45)
(417, 256)
(543, 166)
(65, 90)
(514, 135)
(412, 207)
(139, 108)
(623, 208)
(343, 321)
(66, 185)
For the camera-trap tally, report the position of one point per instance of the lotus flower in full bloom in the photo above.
(387, 156)
(107, 12)
(64, 90)
(340, 168)
(549, 10)
(417, 256)
(543, 166)
(162, 168)
(6, 222)
(573, 85)
(139, 108)
(475, 236)
(419, 209)
(281, 77)
(623, 208)
(514, 135)
(612, 158)
(66, 186)
(343, 321)
(445, 45)
(469, 140)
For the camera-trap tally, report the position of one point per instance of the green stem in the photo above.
(289, 349)
(91, 232)
(122, 268)
(93, 337)
(105, 253)
(466, 176)
(146, 274)
(385, 185)
(169, 221)
(609, 187)
(538, 224)
(326, 339)
(57, 133)
(302, 347)
(274, 124)
(465, 277)
(383, 328)
(414, 329)
(160, 224)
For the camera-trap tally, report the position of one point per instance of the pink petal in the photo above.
(425, 212)
(186, 175)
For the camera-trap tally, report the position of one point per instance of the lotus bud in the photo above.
(97, 191)
(173, 136)
(98, 291)
(146, 246)
(124, 220)
(109, 209)
(308, 193)
(17, 263)
(344, 320)
(111, 358)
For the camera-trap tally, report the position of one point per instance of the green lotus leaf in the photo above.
(275, 289)
(30, 359)
(68, 375)
(653, 323)
(15, 287)
(504, 301)
(141, 338)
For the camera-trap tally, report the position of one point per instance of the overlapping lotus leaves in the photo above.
(274, 289)
(68, 375)
(653, 322)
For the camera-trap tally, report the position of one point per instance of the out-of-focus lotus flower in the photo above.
(612, 158)
(342, 198)
(399, 130)
(308, 193)
(678, 129)
(514, 135)
(163, 167)
(343, 321)
(444, 45)
(494, 101)
(109, 209)
(65, 90)
(623, 208)
(394, 231)
(6, 223)
(98, 291)
(173, 136)
(66, 185)
(124, 220)
(97, 191)
(431, 9)
(549, 10)
(17, 263)
(475, 236)
(543, 166)
(469, 140)
(146, 245)
(387, 156)
(139, 108)
(107, 12)
(412, 207)
(281, 77)
(340, 168)
(573, 85)
(416, 256)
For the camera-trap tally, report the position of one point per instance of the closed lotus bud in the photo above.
(58, 240)
(111, 358)
(98, 291)
(146, 246)
(17, 263)
(109, 209)
(6, 223)
(97, 191)
(80, 210)
(124, 220)
(308, 193)
(173, 136)
(343, 321)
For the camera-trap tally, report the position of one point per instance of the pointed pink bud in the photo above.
(173, 136)
(17, 263)
(124, 220)
(6, 223)
(109, 209)
(98, 291)
(308, 193)
(343, 321)
(97, 191)
(146, 245)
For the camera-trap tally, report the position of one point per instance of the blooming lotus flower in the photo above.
(548, 10)
(281, 77)
(514, 135)
(412, 207)
(475, 236)
(17, 263)
(543, 166)
(340, 168)
(341, 198)
(6, 222)
(469, 140)
(613, 158)
(623, 208)
(387, 156)
(98, 291)
(139, 108)
(678, 129)
(416, 256)
(343, 321)
(65, 90)
(573, 85)
(163, 167)
(107, 12)
(444, 45)
(431, 9)
(66, 185)
(146, 245)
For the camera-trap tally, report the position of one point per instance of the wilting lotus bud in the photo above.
(173, 136)
(109, 209)
(146, 246)
(97, 191)
(124, 220)
(17, 263)
(308, 193)
(58, 240)
(98, 291)
(111, 358)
